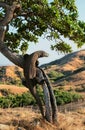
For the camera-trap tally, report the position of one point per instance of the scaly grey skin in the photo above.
(30, 63)
(30, 72)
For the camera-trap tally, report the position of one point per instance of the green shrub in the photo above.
(4, 103)
(17, 100)
(62, 97)
(53, 75)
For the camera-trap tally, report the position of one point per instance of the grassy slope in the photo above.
(29, 118)
(17, 118)
(13, 89)
(70, 65)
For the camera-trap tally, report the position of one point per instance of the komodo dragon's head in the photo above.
(30, 62)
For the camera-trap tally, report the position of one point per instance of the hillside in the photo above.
(18, 119)
(72, 68)
(68, 72)
(77, 57)
(11, 89)
(11, 75)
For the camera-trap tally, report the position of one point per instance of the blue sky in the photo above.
(45, 45)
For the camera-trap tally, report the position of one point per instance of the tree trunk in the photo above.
(52, 98)
(48, 109)
(18, 60)
(50, 102)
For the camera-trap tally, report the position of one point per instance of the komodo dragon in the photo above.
(30, 73)
(30, 64)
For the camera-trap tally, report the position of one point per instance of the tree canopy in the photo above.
(24, 21)
(35, 18)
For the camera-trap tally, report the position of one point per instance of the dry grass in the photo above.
(72, 121)
(26, 118)
(13, 89)
(11, 71)
(30, 119)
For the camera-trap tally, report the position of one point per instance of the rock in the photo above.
(6, 127)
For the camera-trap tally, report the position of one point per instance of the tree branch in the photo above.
(9, 12)
(16, 59)
(2, 33)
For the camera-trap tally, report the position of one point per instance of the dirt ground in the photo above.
(30, 119)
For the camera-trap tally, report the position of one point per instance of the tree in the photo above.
(31, 19)
(24, 21)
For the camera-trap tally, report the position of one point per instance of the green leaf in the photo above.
(38, 18)
(62, 47)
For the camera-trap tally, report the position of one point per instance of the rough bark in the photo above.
(30, 73)
(18, 60)
(13, 57)
(48, 108)
(35, 95)
(52, 98)
(9, 12)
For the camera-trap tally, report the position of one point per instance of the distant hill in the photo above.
(68, 72)
(69, 59)
(70, 69)
(11, 75)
